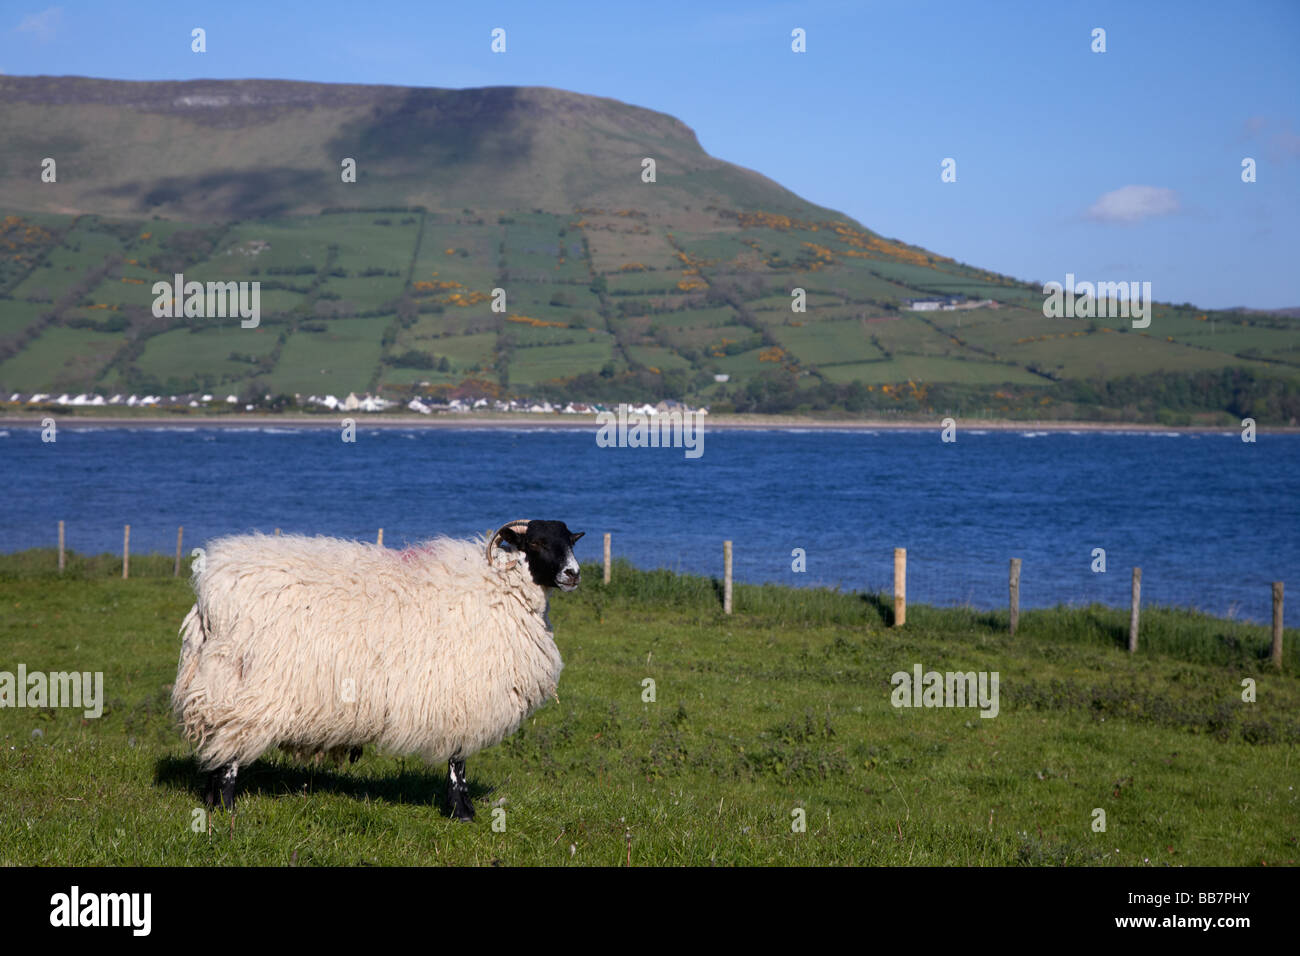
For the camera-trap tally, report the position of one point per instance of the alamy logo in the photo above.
(103, 909)
(1102, 300)
(671, 429)
(218, 300)
(953, 689)
(56, 689)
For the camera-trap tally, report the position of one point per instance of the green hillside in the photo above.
(615, 288)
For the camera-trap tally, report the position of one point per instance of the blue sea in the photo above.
(1211, 520)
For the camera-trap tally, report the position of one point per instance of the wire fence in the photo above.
(980, 581)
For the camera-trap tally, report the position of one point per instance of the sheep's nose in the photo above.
(572, 576)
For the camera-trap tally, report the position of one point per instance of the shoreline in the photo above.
(590, 422)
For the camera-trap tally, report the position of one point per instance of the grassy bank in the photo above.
(783, 706)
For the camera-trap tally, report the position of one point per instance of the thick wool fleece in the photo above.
(319, 643)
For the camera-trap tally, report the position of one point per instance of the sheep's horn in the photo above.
(497, 536)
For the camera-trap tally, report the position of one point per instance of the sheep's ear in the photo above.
(513, 538)
(573, 538)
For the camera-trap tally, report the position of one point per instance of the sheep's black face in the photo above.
(548, 548)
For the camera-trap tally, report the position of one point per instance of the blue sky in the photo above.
(1117, 165)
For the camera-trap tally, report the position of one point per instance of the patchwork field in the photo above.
(597, 303)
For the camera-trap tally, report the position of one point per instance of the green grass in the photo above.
(61, 358)
(466, 352)
(545, 362)
(611, 250)
(367, 292)
(533, 298)
(271, 244)
(529, 336)
(16, 316)
(784, 705)
(1235, 338)
(340, 360)
(928, 369)
(1121, 353)
(658, 283)
(818, 343)
(910, 333)
(182, 353)
(477, 270)
(855, 282)
(365, 240)
(113, 291)
(656, 356)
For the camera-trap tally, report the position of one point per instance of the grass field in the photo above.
(16, 316)
(784, 706)
(62, 358)
(182, 352)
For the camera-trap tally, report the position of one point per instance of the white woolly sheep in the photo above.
(319, 644)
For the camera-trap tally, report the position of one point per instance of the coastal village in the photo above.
(351, 403)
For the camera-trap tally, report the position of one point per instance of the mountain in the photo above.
(208, 150)
(503, 241)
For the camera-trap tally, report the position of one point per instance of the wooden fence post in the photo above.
(1133, 618)
(1277, 624)
(60, 547)
(180, 533)
(607, 553)
(126, 552)
(726, 577)
(900, 587)
(380, 542)
(1015, 595)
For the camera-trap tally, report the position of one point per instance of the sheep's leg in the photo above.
(458, 790)
(221, 786)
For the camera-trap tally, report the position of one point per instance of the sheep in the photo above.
(325, 645)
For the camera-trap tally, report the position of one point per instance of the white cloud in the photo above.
(1133, 204)
(43, 24)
